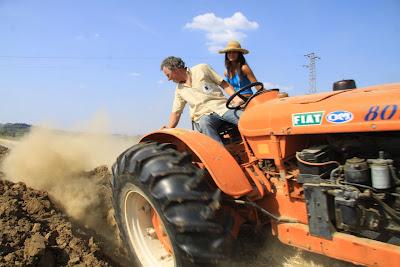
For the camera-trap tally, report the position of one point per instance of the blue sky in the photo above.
(65, 62)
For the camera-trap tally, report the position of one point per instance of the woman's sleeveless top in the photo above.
(239, 83)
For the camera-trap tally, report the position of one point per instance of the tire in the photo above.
(152, 180)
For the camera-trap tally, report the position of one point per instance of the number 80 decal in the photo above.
(378, 112)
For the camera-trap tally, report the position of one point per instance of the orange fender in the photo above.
(223, 168)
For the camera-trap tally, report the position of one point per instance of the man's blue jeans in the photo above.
(209, 124)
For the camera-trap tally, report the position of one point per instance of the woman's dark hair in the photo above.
(230, 69)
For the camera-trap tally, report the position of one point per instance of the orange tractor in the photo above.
(321, 170)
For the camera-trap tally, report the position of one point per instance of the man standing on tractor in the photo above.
(199, 86)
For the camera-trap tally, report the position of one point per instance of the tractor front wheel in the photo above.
(166, 213)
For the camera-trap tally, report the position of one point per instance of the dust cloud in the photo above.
(58, 162)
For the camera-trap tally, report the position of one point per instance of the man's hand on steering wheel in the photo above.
(240, 100)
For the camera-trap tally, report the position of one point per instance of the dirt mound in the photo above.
(35, 232)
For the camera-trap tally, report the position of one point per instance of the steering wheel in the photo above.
(245, 99)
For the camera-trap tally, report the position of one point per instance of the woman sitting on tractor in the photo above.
(237, 73)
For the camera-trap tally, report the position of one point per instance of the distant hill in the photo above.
(14, 129)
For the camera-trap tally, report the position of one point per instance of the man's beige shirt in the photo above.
(204, 96)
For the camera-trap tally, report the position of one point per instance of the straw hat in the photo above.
(233, 46)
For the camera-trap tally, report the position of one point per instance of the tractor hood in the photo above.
(375, 108)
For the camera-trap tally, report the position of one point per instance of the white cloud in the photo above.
(221, 30)
(160, 81)
(135, 74)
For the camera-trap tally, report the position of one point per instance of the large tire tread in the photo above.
(186, 205)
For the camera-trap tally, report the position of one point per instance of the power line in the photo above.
(97, 57)
(312, 74)
(80, 57)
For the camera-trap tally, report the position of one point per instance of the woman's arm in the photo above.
(246, 70)
(230, 91)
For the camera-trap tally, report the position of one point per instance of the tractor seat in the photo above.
(229, 133)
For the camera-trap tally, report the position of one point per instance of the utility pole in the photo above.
(312, 75)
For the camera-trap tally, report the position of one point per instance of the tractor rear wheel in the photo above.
(166, 213)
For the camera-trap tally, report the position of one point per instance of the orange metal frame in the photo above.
(342, 246)
(222, 167)
(269, 133)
